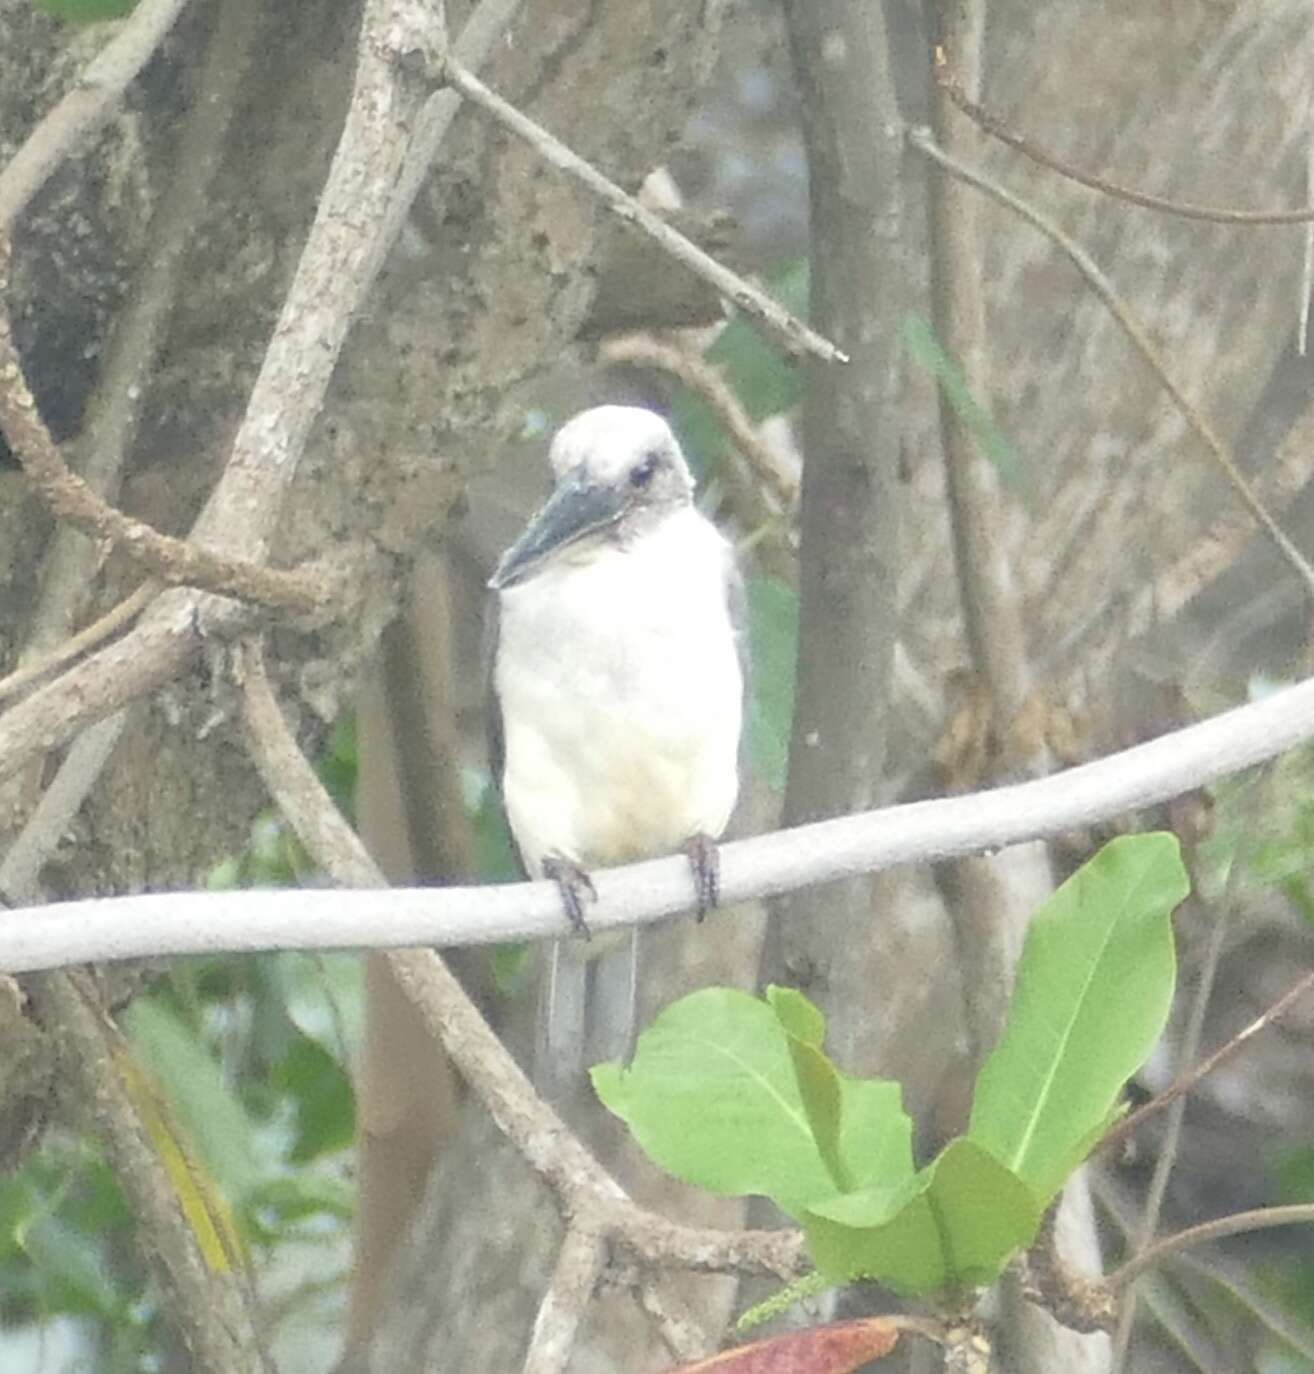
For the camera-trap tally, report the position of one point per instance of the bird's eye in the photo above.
(642, 473)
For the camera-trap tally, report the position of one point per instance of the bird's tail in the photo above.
(587, 1011)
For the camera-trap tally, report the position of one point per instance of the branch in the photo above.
(202, 1305)
(380, 159)
(122, 389)
(761, 493)
(113, 415)
(1135, 331)
(70, 498)
(569, 1292)
(680, 1331)
(994, 126)
(991, 612)
(1148, 1223)
(60, 802)
(83, 642)
(91, 102)
(774, 487)
(139, 663)
(1261, 1219)
(820, 852)
(792, 332)
(1131, 1123)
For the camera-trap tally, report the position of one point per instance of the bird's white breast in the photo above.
(621, 698)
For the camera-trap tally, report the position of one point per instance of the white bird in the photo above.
(617, 704)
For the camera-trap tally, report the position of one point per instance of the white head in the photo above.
(618, 470)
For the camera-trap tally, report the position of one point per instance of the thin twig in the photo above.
(81, 643)
(113, 415)
(987, 592)
(681, 1332)
(92, 100)
(922, 140)
(759, 491)
(379, 160)
(770, 480)
(1190, 1047)
(122, 388)
(796, 336)
(70, 498)
(1131, 1123)
(818, 852)
(994, 126)
(60, 802)
(144, 659)
(1261, 1219)
(569, 1292)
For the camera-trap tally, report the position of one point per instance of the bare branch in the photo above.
(796, 336)
(381, 159)
(131, 667)
(994, 126)
(122, 388)
(71, 499)
(820, 852)
(1148, 1223)
(203, 1305)
(60, 802)
(680, 1332)
(1261, 1219)
(113, 415)
(81, 643)
(293, 784)
(1131, 1123)
(1099, 283)
(759, 491)
(991, 611)
(568, 1295)
(92, 101)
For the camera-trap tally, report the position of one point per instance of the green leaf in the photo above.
(797, 1015)
(73, 1274)
(817, 1079)
(86, 11)
(324, 1104)
(495, 859)
(205, 1106)
(773, 641)
(511, 964)
(954, 1225)
(925, 348)
(279, 1203)
(1094, 986)
(337, 766)
(713, 1097)
(764, 381)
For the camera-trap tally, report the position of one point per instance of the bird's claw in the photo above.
(576, 888)
(705, 860)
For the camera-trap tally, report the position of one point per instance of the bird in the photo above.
(616, 704)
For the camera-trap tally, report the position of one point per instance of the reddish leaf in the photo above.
(836, 1349)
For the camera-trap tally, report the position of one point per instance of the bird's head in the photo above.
(619, 471)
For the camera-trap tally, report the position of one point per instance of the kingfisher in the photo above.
(617, 701)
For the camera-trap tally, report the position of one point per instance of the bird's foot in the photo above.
(705, 860)
(576, 888)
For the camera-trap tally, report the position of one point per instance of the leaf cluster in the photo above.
(736, 1093)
